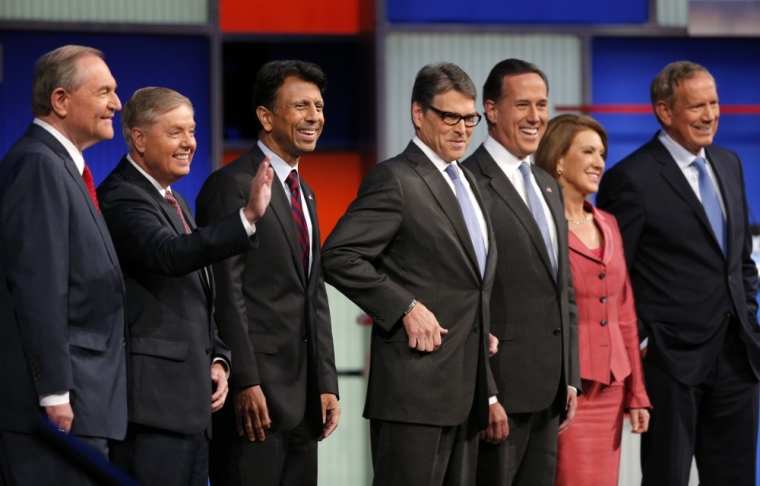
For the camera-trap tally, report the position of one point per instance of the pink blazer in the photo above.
(607, 331)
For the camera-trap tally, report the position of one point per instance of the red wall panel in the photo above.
(339, 17)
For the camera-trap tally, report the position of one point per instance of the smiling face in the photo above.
(693, 119)
(293, 129)
(87, 112)
(582, 166)
(518, 120)
(447, 141)
(166, 149)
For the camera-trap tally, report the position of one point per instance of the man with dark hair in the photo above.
(177, 363)
(533, 303)
(271, 307)
(681, 206)
(416, 252)
(61, 291)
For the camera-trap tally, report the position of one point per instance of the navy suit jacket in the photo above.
(61, 294)
(170, 295)
(685, 288)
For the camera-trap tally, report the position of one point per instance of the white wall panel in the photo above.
(673, 13)
(131, 11)
(559, 56)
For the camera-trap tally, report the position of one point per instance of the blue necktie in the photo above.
(470, 217)
(711, 203)
(534, 203)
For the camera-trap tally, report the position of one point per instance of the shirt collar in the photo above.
(683, 157)
(503, 157)
(439, 163)
(73, 152)
(281, 168)
(150, 178)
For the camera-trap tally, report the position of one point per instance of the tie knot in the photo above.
(292, 180)
(452, 171)
(525, 169)
(699, 163)
(169, 196)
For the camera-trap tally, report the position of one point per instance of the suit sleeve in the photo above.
(327, 373)
(619, 196)
(355, 247)
(220, 194)
(36, 207)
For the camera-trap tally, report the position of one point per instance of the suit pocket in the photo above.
(264, 342)
(88, 339)
(161, 347)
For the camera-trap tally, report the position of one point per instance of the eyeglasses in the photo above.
(451, 118)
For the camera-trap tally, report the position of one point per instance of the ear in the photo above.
(265, 118)
(663, 113)
(418, 114)
(560, 168)
(491, 109)
(138, 139)
(58, 99)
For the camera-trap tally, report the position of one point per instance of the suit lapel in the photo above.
(446, 198)
(204, 273)
(503, 187)
(316, 241)
(556, 208)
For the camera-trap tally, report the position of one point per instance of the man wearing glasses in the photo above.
(533, 302)
(416, 252)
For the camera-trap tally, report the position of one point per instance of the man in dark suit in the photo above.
(178, 365)
(681, 206)
(533, 310)
(272, 304)
(61, 291)
(416, 252)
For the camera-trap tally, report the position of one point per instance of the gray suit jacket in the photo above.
(274, 318)
(404, 237)
(533, 315)
(61, 294)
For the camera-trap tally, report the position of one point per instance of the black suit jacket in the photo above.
(173, 337)
(404, 238)
(61, 294)
(533, 315)
(685, 289)
(275, 319)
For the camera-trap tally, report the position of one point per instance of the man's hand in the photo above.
(219, 379)
(62, 416)
(493, 345)
(423, 329)
(261, 192)
(251, 413)
(330, 415)
(639, 420)
(572, 406)
(498, 426)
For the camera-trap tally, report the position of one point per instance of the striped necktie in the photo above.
(300, 219)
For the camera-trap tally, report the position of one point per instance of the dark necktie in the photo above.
(711, 203)
(173, 201)
(87, 176)
(298, 216)
(534, 203)
(470, 216)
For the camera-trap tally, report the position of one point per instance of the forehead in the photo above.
(524, 86)
(181, 115)
(587, 136)
(698, 86)
(456, 101)
(94, 71)
(295, 88)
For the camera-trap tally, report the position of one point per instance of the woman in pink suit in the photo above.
(573, 151)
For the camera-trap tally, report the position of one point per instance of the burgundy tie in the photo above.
(173, 201)
(87, 176)
(301, 227)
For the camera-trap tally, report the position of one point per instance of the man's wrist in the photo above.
(411, 306)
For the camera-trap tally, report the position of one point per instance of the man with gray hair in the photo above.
(681, 206)
(178, 364)
(61, 291)
(416, 252)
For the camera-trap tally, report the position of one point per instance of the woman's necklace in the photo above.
(583, 221)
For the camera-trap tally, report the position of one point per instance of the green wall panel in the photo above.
(132, 11)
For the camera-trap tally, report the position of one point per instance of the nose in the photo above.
(114, 103)
(533, 114)
(710, 113)
(460, 127)
(313, 114)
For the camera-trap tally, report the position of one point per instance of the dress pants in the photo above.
(157, 457)
(589, 451)
(411, 454)
(27, 459)
(715, 421)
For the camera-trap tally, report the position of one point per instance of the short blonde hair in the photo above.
(145, 106)
(559, 136)
(58, 69)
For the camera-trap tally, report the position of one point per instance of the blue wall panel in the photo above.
(179, 63)
(537, 11)
(624, 68)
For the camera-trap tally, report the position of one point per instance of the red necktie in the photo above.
(173, 201)
(301, 227)
(87, 176)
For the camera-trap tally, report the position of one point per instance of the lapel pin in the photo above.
(548, 189)
(310, 196)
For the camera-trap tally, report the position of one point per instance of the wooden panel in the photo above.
(290, 16)
(335, 179)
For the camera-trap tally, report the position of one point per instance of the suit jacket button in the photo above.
(604, 322)
(602, 275)
(208, 350)
(603, 299)
(727, 314)
(124, 342)
(476, 328)
(556, 331)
